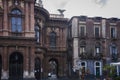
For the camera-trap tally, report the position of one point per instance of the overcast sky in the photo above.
(90, 8)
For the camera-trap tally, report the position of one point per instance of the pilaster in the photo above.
(5, 74)
(26, 19)
(26, 65)
(5, 21)
(32, 19)
(32, 62)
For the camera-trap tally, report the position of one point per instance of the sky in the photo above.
(90, 8)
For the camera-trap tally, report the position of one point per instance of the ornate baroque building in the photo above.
(93, 42)
(35, 44)
(32, 41)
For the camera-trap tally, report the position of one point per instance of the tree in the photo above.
(108, 71)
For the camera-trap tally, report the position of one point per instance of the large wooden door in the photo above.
(16, 66)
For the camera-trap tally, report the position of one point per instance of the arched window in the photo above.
(37, 33)
(113, 51)
(16, 20)
(98, 70)
(52, 39)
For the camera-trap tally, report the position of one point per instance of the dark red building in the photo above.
(32, 42)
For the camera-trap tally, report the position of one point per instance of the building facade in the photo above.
(35, 44)
(32, 42)
(94, 42)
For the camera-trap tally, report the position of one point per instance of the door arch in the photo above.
(53, 66)
(16, 66)
(37, 68)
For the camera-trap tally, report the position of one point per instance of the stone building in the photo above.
(93, 43)
(32, 41)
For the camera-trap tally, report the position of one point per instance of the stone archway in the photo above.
(16, 66)
(53, 67)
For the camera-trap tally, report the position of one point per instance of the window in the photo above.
(97, 49)
(52, 39)
(82, 31)
(82, 48)
(113, 51)
(16, 21)
(97, 32)
(37, 33)
(98, 71)
(113, 32)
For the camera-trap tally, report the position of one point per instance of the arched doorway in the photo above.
(0, 66)
(37, 68)
(98, 70)
(15, 66)
(53, 67)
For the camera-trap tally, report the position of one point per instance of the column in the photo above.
(5, 64)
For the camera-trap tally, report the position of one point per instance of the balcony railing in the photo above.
(16, 34)
(114, 57)
(83, 36)
(90, 56)
(98, 56)
(114, 38)
(56, 48)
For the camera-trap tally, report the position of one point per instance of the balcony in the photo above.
(91, 56)
(114, 38)
(86, 56)
(16, 33)
(82, 36)
(83, 55)
(98, 56)
(114, 57)
(97, 37)
(56, 48)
